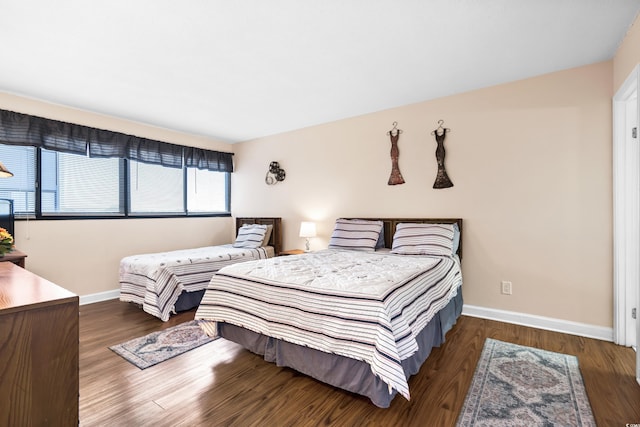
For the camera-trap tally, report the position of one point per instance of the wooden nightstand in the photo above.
(16, 257)
(291, 252)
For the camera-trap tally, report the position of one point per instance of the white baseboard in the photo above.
(100, 296)
(540, 322)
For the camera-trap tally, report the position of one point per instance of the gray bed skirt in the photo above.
(343, 372)
(188, 300)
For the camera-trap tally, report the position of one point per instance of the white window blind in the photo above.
(206, 191)
(74, 184)
(155, 189)
(21, 187)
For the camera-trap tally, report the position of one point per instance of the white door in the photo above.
(626, 210)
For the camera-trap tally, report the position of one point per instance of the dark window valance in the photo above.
(206, 159)
(139, 149)
(23, 129)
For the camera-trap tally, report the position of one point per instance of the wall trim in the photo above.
(100, 296)
(540, 322)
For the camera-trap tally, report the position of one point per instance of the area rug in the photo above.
(159, 346)
(515, 385)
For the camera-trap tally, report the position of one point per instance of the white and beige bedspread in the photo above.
(367, 306)
(156, 280)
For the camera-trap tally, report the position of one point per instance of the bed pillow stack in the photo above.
(355, 234)
(424, 239)
(250, 236)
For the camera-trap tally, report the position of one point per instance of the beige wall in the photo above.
(531, 166)
(627, 56)
(83, 255)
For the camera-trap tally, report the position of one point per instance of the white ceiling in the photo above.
(238, 70)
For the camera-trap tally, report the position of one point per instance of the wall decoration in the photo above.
(442, 179)
(396, 176)
(275, 174)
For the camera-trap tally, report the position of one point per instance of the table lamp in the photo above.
(307, 230)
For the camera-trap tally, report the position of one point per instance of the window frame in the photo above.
(124, 196)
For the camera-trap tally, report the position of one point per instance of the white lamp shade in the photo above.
(307, 229)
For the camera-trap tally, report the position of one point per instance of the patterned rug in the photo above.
(159, 346)
(522, 386)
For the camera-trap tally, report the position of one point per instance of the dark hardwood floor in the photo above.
(222, 384)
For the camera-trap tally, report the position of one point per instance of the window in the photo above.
(206, 191)
(68, 170)
(21, 187)
(156, 188)
(73, 185)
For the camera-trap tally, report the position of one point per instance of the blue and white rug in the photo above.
(159, 346)
(514, 385)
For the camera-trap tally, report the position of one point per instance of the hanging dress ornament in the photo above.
(275, 174)
(442, 179)
(396, 176)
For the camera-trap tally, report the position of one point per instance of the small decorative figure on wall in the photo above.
(396, 176)
(442, 179)
(275, 174)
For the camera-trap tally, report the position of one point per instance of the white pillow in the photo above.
(267, 235)
(423, 239)
(250, 236)
(355, 234)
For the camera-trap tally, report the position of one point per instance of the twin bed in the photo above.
(169, 282)
(362, 315)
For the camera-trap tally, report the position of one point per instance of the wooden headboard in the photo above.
(391, 223)
(276, 234)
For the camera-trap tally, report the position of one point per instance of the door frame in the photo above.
(626, 212)
(626, 215)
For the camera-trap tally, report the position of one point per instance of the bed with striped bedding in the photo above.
(165, 282)
(367, 308)
(156, 281)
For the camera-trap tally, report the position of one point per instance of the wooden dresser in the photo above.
(39, 343)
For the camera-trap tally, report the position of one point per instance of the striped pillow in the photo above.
(423, 239)
(355, 234)
(250, 236)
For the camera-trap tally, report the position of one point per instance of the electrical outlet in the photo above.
(506, 288)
